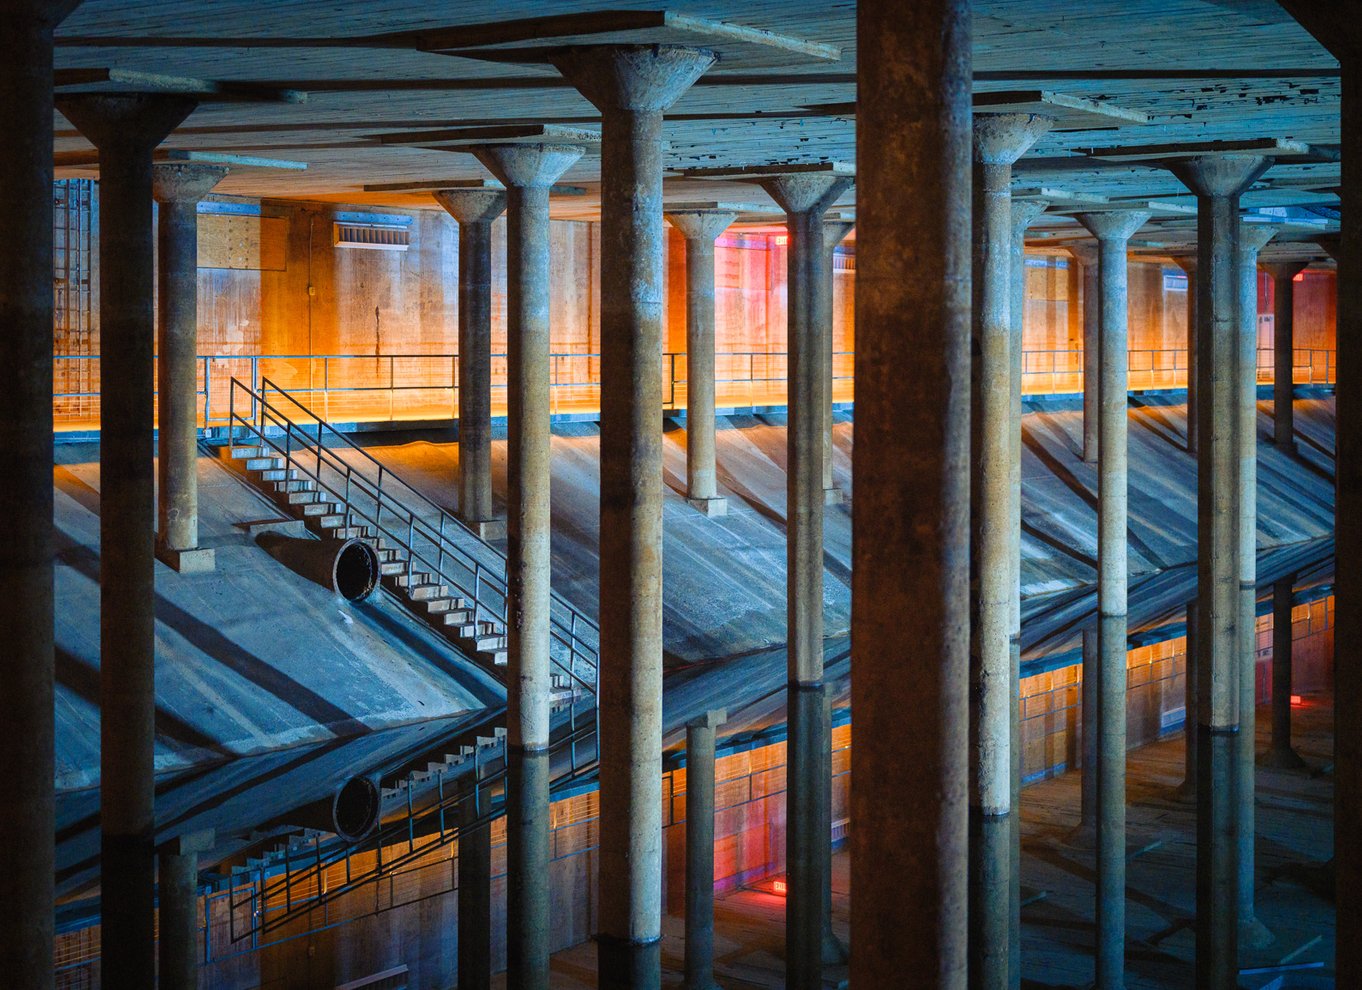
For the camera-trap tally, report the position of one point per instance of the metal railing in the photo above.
(356, 388)
(432, 540)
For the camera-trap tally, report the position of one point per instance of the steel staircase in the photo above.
(441, 571)
(428, 559)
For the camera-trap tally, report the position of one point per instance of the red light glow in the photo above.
(778, 888)
(781, 239)
(1297, 700)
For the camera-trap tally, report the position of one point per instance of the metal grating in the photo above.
(371, 236)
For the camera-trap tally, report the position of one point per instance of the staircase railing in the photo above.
(433, 540)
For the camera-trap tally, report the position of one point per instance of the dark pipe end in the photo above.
(355, 808)
(355, 573)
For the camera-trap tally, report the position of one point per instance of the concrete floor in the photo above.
(1295, 836)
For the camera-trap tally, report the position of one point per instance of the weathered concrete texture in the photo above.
(700, 229)
(528, 171)
(178, 918)
(1112, 230)
(1086, 256)
(909, 793)
(700, 850)
(26, 554)
(125, 129)
(999, 140)
(1187, 262)
(475, 210)
(631, 86)
(1251, 240)
(1186, 791)
(834, 232)
(1218, 181)
(1284, 354)
(178, 187)
(475, 901)
(1024, 212)
(805, 198)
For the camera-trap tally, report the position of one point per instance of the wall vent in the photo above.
(372, 236)
(843, 262)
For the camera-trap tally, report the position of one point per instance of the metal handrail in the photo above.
(449, 550)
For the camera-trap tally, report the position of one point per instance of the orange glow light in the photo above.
(1297, 700)
(1300, 277)
(778, 888)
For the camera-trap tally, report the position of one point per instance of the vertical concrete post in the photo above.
(1023, 213)
(475, 897)
(528, 171)
(700, 849)
(834, 951)
(805, 197)
(631, 85)
(1284, 351)
(1086, 255)
(834, 231)
(909, 779)
(1252, 238)
(474, 209)
(1281, 755)
(1112, 230)
(27, 828)
(1187, 262)
(1186, 791)
(999, 140)
(1218, 181)
(178, 914)
(1085, 835)
(178, 187)
(700, 228)
(126, 129)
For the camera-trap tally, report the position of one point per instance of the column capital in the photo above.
(527, 166)
(1113, 225)
(1253, 237)
(807, 192)
(136, 121)
(632, 77)
(1284, 269)
(1084, 252)
(1002, 138)
(1220, 176)
(185, 182)
(701, 225)
(202, 841)
(1187, 262)
(1024, 213)
(1332, 245)
(835, 231)
(481, 204)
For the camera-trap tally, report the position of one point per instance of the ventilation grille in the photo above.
(372, 236)
(842, 262)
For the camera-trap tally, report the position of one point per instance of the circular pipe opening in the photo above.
(354, 811)
(355, 574)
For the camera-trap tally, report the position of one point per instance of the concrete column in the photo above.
(1284, 351)
(474, 209)
(178, 187)
(1187, 262)
(1086, 255)
(1281, 755)
(475, 898)
(1112, 230)
(700, 849)
(1023, 213)
(700, 229)
(999, 140)
(1085, 835)
(834, 951)
(1218, 181)
(126, 129)
(1186, 791)
(528, 171)
(909, 796)
(28, 826)
(179, 915)
(834, 232)
(805, 197)
(1252, 238)
(631, 85)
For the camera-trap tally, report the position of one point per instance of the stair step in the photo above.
(415, 578)
(384, 555)
(388, 568)
(319, 508)
(264, 464)
(281, 474)
(298, 496)
(456, 619)
(496, 658)
(424, 592)
(331, 522)
(241, 452)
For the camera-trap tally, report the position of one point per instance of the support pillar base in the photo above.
(1184, 793)
(1253, 934)
(200, 560)
(487, 529)
(623, 964)
(711, 507)
(1285, 759)
(834, 952)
